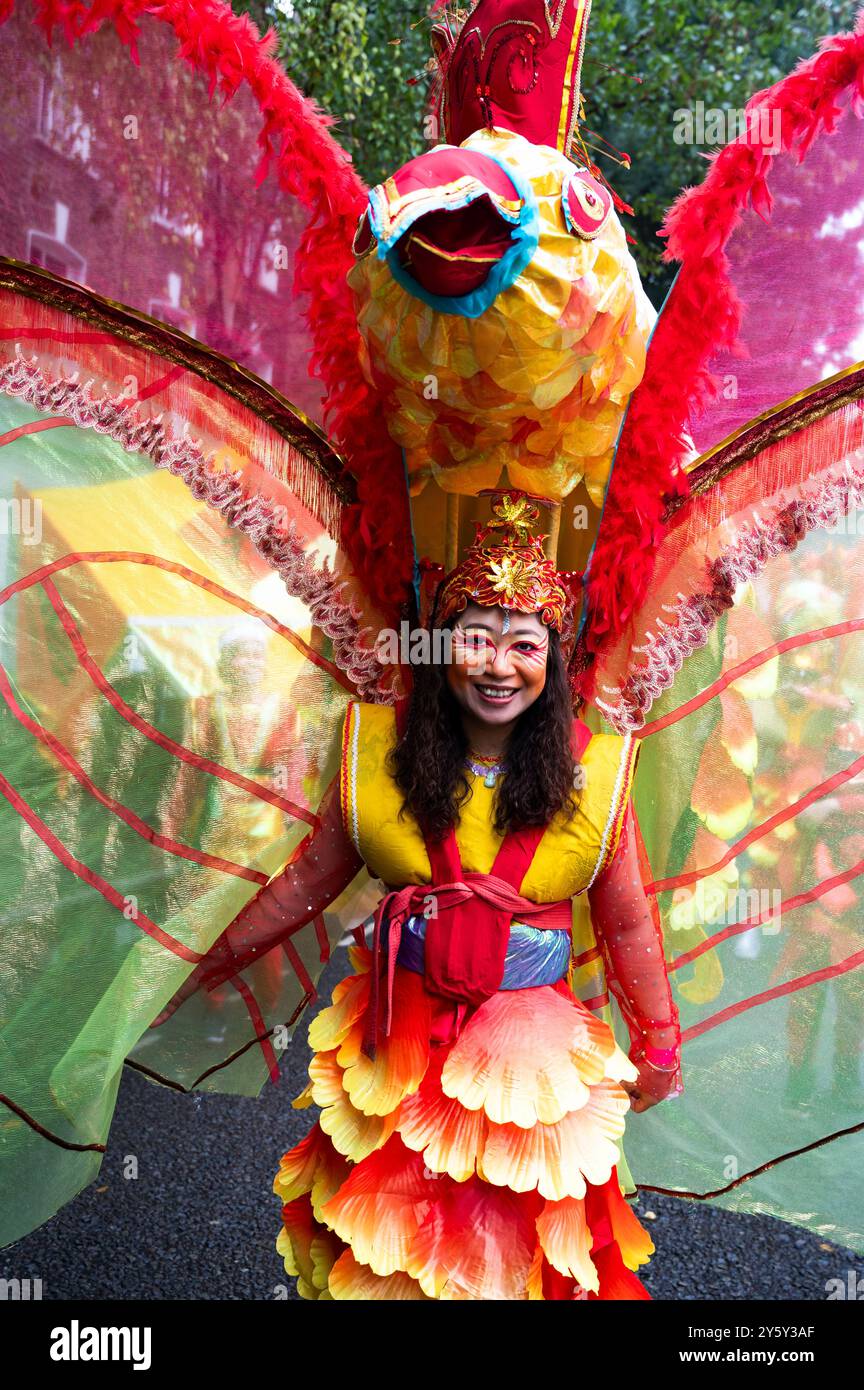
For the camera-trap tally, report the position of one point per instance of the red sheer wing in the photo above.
(159, 156)
(180, 633)
(111, 191)
(766, 304)
(736, 656)
(325, 864)
(748, 700)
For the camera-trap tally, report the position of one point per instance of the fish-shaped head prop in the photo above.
(501, 313)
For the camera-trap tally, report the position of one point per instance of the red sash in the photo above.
(469, 930)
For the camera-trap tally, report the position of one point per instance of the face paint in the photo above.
(499, 666)
(480, 649)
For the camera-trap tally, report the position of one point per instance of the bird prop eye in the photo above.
(587, 205)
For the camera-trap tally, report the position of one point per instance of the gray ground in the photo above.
(200, 1221)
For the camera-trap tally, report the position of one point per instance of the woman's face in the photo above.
(496, 674)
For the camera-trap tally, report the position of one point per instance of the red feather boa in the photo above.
(315, 170)
(701, 318)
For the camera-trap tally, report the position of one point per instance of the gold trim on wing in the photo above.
(142, 331)
(757, 433)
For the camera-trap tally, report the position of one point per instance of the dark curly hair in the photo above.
(428, 762)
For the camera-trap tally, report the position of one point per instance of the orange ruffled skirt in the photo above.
(483, 1168)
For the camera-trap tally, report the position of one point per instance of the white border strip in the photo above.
(613, 808)
(352, 776)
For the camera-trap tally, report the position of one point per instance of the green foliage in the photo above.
(645, 60)
(364, 62)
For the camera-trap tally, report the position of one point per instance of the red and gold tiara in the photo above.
(506, 565)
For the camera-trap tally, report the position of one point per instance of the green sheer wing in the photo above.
(178, 644)
(742, 676)
(726, 621)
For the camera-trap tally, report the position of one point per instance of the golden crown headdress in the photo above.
(506, 565)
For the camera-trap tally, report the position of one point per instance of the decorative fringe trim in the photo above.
(224, 491)
(743, 560)
(702, 318)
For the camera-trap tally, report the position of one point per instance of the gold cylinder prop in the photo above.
(451, 540)
(550, 545)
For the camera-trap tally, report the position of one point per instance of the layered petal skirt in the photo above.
(479, 1168)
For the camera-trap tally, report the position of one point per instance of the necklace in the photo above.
(487, 767)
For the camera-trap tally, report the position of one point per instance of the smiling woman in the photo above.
(471, 1105)
(509, 667)
(195, 579)
(501, 702)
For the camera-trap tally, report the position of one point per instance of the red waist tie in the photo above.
(469, 927)
(465, 950)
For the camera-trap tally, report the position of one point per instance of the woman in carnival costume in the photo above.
(481, 329)
(471, 1104)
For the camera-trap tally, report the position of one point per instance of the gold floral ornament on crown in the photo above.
(506, 565)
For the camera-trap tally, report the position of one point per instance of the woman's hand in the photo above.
(651, 1086)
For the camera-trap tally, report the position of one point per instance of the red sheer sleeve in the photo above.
(632, 944)
(324, 865)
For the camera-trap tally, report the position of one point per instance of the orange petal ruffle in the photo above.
(378, 1210)
(354, 1134)
(314, 1166)
(475, 1243)
(483, 1169)
(528, 1056)
(308, 1249)
(351, 1280)
(557, 1159)
(376, 1087)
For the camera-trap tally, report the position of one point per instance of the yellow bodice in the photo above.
(573, 850)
